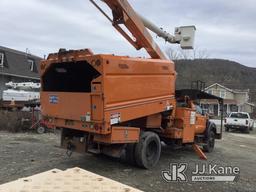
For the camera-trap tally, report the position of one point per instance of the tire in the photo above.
(148, 150)
(40, 130)
(130, 154)
(251, 128)
(227, 129)
(210, 142)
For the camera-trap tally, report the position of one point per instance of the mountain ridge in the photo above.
(231, 74)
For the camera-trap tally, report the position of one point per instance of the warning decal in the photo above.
(193, 118)
(115, 118)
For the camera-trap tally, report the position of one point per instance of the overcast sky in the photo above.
(227, 29)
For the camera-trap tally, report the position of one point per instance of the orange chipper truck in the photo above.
(123, 106)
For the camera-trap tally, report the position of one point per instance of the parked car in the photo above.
(239, 120)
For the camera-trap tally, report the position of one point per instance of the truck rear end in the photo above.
(103, 100)
(239, 121)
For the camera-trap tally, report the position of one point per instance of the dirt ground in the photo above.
(25, 154)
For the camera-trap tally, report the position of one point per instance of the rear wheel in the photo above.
(227, 129)
(210, 142)
(148, 150)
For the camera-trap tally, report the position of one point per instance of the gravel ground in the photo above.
(25, 154)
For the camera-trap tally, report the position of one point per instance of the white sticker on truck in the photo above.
(115, 118)
(192, 118)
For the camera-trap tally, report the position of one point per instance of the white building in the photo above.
(234, 100)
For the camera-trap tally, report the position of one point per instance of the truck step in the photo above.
(201, 144)
(200, 136)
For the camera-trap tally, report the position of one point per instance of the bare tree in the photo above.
(186, 54)
(196, 53)
(203, 54)
(173, 54)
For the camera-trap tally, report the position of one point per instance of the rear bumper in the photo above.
(96, 127)
(236, 126)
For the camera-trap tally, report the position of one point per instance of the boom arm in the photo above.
(124, 14)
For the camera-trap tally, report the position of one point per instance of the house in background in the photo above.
(234, 100)
(17, 66)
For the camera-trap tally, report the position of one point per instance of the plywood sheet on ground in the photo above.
(70, 180)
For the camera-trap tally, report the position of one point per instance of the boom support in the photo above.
(124, 14)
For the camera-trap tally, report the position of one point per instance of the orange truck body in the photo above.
(126, 89)
(126, 95)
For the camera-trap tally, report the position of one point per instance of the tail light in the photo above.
(246, 122)
(225, 120)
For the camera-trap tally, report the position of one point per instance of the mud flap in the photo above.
(199, 152)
